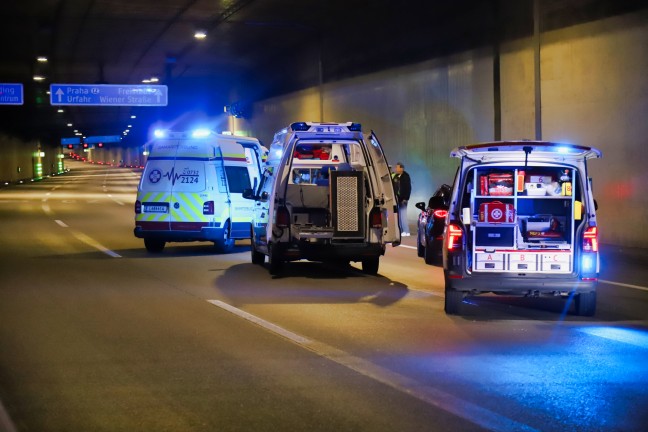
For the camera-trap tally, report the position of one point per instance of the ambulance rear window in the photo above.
(238, 179)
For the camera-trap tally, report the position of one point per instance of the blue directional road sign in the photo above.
(102, 139)
(108, 95)
(11, 94)
(73, 140)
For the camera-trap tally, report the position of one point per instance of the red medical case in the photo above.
(496, 212)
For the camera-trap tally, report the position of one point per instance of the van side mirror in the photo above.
(420, 205)
(248, 194)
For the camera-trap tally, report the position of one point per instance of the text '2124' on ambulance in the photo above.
(191, 189)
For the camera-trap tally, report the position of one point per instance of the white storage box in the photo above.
(523, 261)
(535, 189)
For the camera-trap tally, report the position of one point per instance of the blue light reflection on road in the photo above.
(591, 379)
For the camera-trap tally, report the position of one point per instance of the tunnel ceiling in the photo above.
(253, 49)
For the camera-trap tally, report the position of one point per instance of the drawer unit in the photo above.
(556, 262)
(523, 261)
(490, 261)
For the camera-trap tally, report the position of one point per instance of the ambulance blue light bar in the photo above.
(200, 133)
(326, 127)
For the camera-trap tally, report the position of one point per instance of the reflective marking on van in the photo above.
(190, 207)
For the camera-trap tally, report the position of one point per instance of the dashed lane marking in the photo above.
(438, 398)
(61, 223)
(95, 244)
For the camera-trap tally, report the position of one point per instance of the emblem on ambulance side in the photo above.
(155, 176)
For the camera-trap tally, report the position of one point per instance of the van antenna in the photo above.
(527, 150)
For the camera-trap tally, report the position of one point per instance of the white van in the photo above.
(191, 189)
(522, 221)
(325, 195)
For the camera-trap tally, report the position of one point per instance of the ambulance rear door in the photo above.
(155, 187)
(189, 208)
(384, 187)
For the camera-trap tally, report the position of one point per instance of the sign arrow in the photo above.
(59, 93)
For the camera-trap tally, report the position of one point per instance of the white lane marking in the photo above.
(6, 424)
(438, 398)
(263, 323)
(91, 242)
(116, 200)
(624, 285)
(630, 336)
(61, 223)
(46, 208)
(408, 247)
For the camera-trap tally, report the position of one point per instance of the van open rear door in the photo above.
(382, 184)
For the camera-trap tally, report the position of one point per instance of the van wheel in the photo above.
(153, 245)
(226, 244)
(274, 260)
(586, 303)
(420, 249)
(370, 265)
(453, 300)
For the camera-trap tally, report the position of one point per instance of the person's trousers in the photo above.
(402, 217)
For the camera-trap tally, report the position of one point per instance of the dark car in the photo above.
(431, 221)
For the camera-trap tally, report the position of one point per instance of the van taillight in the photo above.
(283, 218)
(441, 214)
(208, 207)
(590, 239)
(375, 218)
(138, 207)
(455, 237)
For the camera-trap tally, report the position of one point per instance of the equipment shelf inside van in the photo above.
(522, 221)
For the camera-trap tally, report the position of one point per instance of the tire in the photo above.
(257, 257)
(154, 245)
(275, 262)
(420, 249)
(225, 244)
(586, 303)
(370, 265)
(453, 300)
(428, 254)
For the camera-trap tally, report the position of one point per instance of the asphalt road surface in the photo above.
(96, 334)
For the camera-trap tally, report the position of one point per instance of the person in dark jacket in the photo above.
(403, 189)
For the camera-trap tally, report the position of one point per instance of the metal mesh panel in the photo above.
(347, 204)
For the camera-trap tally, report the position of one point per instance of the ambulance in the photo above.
(325, 195)
(191, 189)
(522, 222)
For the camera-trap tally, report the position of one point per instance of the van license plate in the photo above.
(156, 209)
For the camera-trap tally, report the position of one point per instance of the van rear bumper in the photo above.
(188, 231)
(518, 285)
(316, 251)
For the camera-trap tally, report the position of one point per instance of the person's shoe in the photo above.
(405, 234)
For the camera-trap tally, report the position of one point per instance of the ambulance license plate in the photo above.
(156, 208)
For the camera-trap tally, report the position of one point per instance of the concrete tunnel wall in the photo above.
(594, 92)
